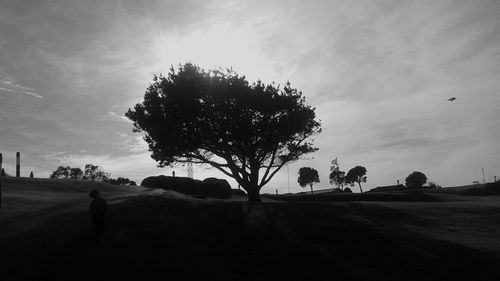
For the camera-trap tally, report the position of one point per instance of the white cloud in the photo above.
(5, 89)
(34, 94)
(10, 82)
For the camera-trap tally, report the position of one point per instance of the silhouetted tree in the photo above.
(122, 181)
(434, 185)
(416, 180)
(95, 173)
(338, 178)
(5, 174)
(75, 173)
(308, 176)
(61, 173)
(119, 181)
(218, 118)
(356, 175)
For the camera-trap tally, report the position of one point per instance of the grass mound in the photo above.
(20, 195)
(410, 196)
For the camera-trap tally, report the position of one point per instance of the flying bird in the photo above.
(452, 99)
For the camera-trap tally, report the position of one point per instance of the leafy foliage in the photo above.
(95, 173)
(92, 172)
(75, 173)
(308, 176)
(218, 118)
(416, 180)
(121, 181)
(61, 173)
(338, 178)
(356, 175)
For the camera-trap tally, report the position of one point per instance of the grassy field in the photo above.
(168, 236)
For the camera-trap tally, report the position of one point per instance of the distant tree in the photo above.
(95, 173)
(338, 178)
(308, 176)
(111, 181)
(31, 175)
(433, 185)
(416, 180)
(61, 173)
(75, 173)
(356, 175)
(122, 181)
(133, 183)
(5, 174)
(217, 117)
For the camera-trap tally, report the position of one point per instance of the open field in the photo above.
(156, 235)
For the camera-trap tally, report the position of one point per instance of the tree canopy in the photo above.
(75, 173)
(217, 117)
(416, 180)
(356, 175)
(308, 176)
(95, 173)
(92, 172)
(61, 173)
(338, 178)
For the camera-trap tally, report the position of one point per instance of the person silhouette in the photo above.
(98, 209)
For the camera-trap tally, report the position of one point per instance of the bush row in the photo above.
(211, 187)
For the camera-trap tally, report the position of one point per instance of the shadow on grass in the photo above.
(157, 238)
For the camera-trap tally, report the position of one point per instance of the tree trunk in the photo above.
(253, 186)
(253, 194)
(359, 183)
(311, 189)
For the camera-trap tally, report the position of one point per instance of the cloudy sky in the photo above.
(378, 72)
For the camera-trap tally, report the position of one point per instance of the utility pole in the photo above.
(484, 181)
(18, 164)
(1, 180)
(288, 173)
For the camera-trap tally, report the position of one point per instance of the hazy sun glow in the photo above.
(214, 46)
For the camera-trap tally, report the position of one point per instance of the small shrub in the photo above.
(216, 187)
(348, 190)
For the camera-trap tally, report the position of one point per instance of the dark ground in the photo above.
(157, 238)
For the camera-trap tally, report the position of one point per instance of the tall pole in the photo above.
(484, 181)
(0, 181)
(18, 164)
(288, 171)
